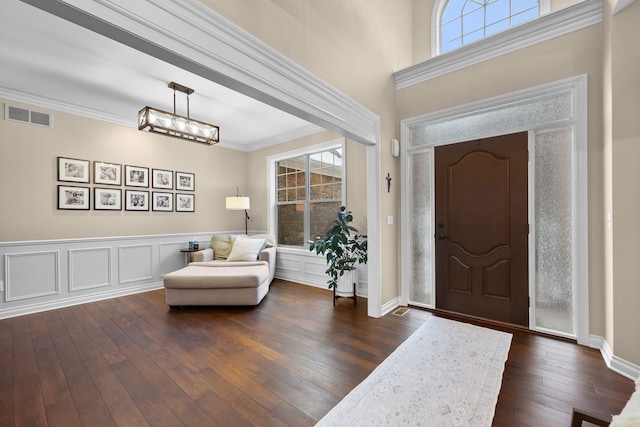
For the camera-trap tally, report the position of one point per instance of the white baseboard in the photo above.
(361, 289)
(390, 306)
(615, 363)
(69, 302)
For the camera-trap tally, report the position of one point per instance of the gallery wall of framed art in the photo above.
(78, 181)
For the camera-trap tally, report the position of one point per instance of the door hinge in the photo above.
(529, 302)
(528, 157)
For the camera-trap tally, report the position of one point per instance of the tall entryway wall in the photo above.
(554, 115)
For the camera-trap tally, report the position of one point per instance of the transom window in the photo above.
(466, 21)
(309, 195)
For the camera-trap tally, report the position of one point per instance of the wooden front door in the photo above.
(482, 228)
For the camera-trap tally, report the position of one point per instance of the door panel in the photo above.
(482, 228)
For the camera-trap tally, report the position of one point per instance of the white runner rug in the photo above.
(446, 374)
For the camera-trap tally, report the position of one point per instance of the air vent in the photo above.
(400, 311)
(17, 114)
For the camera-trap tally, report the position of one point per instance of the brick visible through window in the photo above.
(308, 195)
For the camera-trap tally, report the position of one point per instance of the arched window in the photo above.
(461, 22)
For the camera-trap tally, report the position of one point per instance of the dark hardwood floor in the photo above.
(131, 361)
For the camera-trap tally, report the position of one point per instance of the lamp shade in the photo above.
(237, 203)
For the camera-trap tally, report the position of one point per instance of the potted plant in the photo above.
(342, 249)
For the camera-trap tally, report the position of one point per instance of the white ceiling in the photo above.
(53, 63)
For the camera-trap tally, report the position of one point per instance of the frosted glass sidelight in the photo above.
(553, 231)
(421, 285)
(499, 120)
(418, 136)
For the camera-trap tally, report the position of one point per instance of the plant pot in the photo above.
(346, 282)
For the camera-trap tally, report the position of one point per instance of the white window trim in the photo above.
(547, 27)
(272, 214)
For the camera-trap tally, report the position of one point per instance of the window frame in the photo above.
(272, 188)
(436, 24)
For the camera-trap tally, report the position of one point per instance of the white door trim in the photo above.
(577, 87)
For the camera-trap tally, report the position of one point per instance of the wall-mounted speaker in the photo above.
(395, 148)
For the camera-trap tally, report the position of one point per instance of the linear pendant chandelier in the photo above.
(172, 124)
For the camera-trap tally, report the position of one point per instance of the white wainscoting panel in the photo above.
(363, 283)
(135, 263)
(31, 275)
(89, 268)
(170, 258)
(307, 268)
(49, 274)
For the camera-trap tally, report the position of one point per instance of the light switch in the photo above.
(389, 219)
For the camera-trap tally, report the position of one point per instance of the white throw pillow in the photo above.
(245, 249)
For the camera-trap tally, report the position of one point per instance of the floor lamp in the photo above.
(239, 203)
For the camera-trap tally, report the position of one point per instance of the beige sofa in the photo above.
(225, 278)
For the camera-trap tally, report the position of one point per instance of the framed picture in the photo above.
(107, 173)
(185, 181)
(162, 179)
(136, 200)
(73, 170)
(109, 199)
(76, 198)
(162, 201)
(136, 176)
(185, 202)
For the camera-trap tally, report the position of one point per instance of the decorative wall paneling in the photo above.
(43, 275)
(37, 276)
(307, 268)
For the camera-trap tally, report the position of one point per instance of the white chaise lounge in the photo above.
(236, 270)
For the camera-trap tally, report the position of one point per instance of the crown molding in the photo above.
(621, 4)
(547, 27)
(64, 106)
(92, 113)
(193, 37)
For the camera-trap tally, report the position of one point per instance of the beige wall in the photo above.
(28, 179)
(354, 46)
(625, 134)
